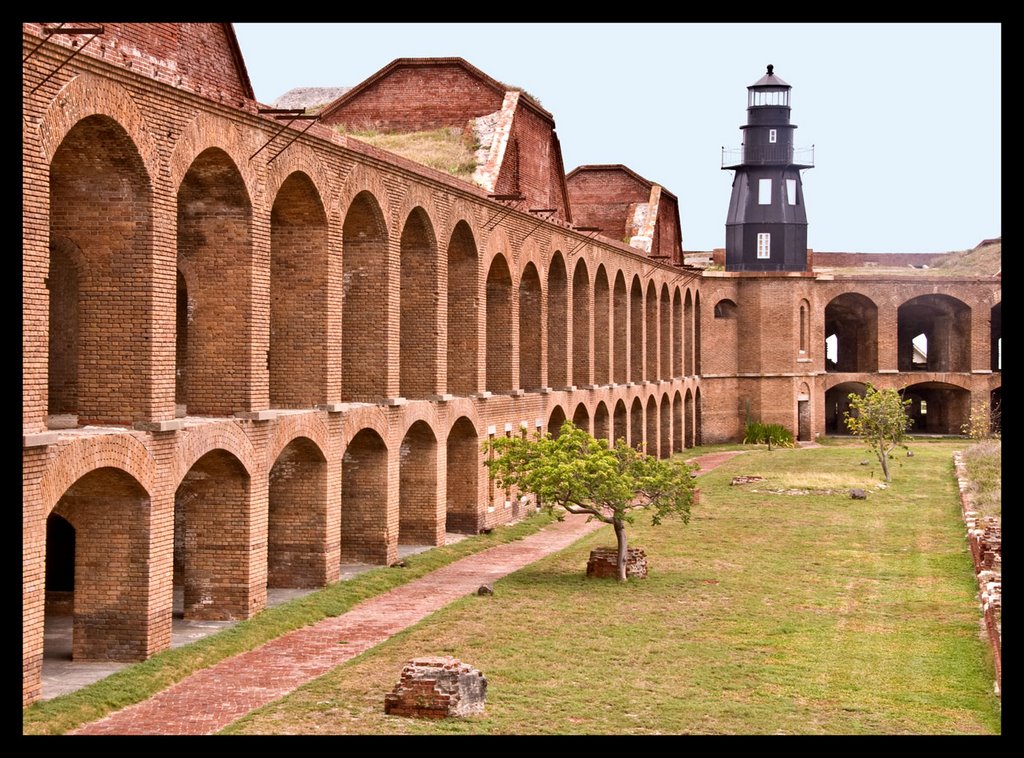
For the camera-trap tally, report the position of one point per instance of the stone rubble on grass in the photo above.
(437, 687)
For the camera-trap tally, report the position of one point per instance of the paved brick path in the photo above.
(209, 700)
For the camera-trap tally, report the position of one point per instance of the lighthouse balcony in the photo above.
(767, 155)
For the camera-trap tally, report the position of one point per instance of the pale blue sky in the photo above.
(905, 118)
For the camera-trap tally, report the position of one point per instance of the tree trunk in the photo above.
(620, 538)
(883, 456)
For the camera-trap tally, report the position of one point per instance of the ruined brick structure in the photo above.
(245, 364)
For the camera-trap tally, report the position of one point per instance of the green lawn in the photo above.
(767, 614)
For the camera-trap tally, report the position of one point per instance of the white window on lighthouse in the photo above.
(791, 191)
(772, 136)
(764, 191)
(764, 245)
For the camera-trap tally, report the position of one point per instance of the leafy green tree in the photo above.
(580, 474)
(880, 417)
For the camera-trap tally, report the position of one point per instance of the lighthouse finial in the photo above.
(770, 67)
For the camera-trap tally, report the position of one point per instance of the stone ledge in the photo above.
(266, 415)
(39, 439)
(160, 426)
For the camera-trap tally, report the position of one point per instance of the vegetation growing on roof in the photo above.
(446, 149)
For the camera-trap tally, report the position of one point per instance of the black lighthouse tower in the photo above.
(766, 229)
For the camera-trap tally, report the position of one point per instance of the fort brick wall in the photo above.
(416, 97)
(234, 377)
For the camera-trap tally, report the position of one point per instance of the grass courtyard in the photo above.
(783, 607)
(792, 612)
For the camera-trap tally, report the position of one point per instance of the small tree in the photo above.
(880, 417)
(580, 474)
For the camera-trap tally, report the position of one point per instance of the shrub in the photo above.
(775, 435)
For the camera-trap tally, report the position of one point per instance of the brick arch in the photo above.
(557, 278)
(582, 279)
(903, 381)
(371, 417)
(464, 307)
(500, 331)
(426, 413)
(421, 510)
(831, 382)
(199, 441)
(205, 132)
(362, 179)
(497, 243)
(416, 196)
(297, 160)
(419, 305)
(297, 510)
(290, 428)
(458, 408)
(299, 293)
(531, 298)
(461, 211)
(88, 95)
(367, 271)
(84, 455)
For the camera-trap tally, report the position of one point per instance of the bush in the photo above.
(773, 435)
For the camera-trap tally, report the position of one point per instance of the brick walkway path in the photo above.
(209, 700)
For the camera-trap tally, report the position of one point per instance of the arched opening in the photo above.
(364, 328)
(725, 308)
(97, 571)
(996, 411)
(558, 323)
(636, 332)
(937, 408)
(665, 428)
(678, 430)
(677, 334)
(215, 249)
(619, 431)
(213, 553)
(803, 413)
(945, 324)
(851, 329)
(581, 418)
(555, 421)
(601, 422)
(529, 329)
(651, 329)
(651, 447)
(804, 327)
(298, 296)
(100, 278)
(688, 331)
(620, 351)
(996, 340)
(364, 500)
(62, 282)
(665, 332)
(581, 326)
(420, 509)
(181, 346)
(499, 328)
(690, 421)
(837, 404)
(696, 332)
(463, 478)
(463, 339)
(297, 517)
(420, 316)
(698, 431)
(636, 424)
(602, 328)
